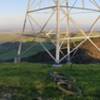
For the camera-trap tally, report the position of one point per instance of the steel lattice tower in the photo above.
(59, 8)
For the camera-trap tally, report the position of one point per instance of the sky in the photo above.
(12, 14)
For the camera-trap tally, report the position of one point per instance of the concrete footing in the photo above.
(57, 65)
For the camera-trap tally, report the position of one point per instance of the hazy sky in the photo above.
(12, 13)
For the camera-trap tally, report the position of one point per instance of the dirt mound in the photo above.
(86, 54)
(91, 50)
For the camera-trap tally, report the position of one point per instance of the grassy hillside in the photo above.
(28, 81)
(9, 50)
(87, 53)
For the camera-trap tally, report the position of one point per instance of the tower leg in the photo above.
(18, 58)
(57, 31)
(68, 41)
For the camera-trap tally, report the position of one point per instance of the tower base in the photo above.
(57, 65)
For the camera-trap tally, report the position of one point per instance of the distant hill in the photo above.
(7, 37)
(87, 53)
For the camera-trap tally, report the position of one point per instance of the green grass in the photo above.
(32, 80)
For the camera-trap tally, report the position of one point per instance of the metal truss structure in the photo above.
(54, 21)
